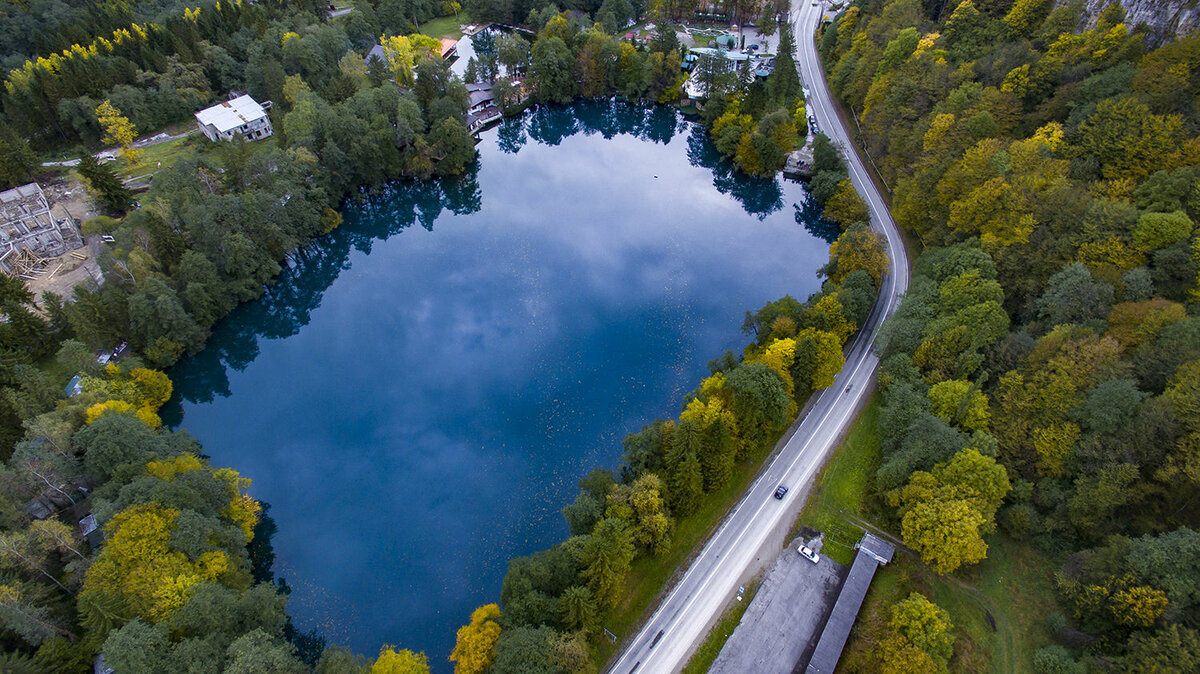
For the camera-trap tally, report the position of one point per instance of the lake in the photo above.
(419, 392)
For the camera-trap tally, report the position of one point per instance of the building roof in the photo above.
(448, 45)
(878, 548)
(377, 52)
(229, 115)
(872, 551)
(481, 96)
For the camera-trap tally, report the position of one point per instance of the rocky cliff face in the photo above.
(1165, 19)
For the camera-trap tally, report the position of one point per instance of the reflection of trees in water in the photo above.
(810, 215)
(551, 124)
(759, 196)
(288, 302)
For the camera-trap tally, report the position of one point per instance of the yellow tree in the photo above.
(958, 402)
(391, 661)
(138, 566)
(944, 514)
(828, 358)
(475, 647)
(778, 356)
(118, 129)
(402, 53)
(945, 533)
(828, 310)
(121, 407)
(919, 637)
(857, 248)
(845, 207)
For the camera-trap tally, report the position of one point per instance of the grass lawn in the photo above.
(1016, 580)
(842, 486)
(446, 26)
(719, 634)
(158, 157)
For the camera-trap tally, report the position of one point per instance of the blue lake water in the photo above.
(417, 396)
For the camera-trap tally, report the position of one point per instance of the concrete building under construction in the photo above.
(29, 233)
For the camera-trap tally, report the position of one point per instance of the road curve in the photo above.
(712, 578)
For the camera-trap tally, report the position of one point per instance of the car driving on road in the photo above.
(780, 491)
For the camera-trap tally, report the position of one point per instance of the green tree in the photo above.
(525, 650)
(606, 557)
(451, 142)
(138, 647)
(687, 485)
(257, 651)
(513, 51)
(1173, 649)
(103, 182)
(17, 160)
(760, 403)
(1161, 230)
(552, 71)
(784, 81)
(1072, 296)
(579, 609)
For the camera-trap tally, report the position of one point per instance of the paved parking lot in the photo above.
(784, 621)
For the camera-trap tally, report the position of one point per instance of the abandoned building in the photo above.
(29, 232)
(242, 115)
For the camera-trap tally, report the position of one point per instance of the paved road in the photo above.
(712, 579)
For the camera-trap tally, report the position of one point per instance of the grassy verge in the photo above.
(719, 634)
(649, 575)
(842, 488)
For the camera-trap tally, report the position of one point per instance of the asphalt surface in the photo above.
(785, 619)
(691, 606)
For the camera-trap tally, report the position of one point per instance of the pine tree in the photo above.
(687, 486)
(104, 184)
(784, 82)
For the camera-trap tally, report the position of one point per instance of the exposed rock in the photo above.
(1164, 20)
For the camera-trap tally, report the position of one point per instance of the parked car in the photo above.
(780, 491)
(807, 553)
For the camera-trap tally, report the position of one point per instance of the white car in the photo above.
(807, 553)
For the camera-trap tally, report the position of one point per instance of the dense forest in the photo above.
(182, 581)
(1041, 376)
